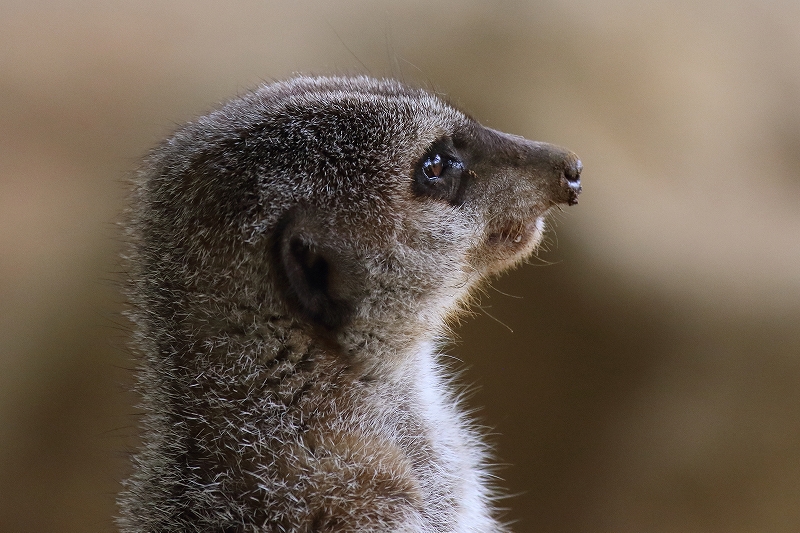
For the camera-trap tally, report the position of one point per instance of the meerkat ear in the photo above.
(309, 289)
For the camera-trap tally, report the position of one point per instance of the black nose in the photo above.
(573, 172)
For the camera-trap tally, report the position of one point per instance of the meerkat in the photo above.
(296, 258)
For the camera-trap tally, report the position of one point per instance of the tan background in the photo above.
(652, 380)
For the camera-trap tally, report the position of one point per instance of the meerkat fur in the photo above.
(294, 259)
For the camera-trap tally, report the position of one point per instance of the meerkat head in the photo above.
(346, 203)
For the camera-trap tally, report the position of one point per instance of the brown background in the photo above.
(651, 381)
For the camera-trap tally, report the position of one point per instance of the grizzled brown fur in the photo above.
(294, 259)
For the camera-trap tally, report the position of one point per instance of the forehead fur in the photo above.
(322, 143)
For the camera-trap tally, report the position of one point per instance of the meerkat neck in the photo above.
(241, 338)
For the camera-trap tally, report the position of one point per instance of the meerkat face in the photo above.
(501, 185)
(347, 201)
(421, 203)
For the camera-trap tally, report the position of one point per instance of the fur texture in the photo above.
(294, 259)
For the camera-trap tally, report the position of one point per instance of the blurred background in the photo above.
(651, 381)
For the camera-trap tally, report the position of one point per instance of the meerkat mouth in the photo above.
(516, 236)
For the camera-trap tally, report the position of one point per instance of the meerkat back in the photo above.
(294, 260)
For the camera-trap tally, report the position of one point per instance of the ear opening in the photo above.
(308, 288)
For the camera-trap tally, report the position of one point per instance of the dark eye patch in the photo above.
(440, 173)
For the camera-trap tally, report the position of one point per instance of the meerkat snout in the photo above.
(514, 182)
(294, 260)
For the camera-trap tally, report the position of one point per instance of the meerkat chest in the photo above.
(444, 451)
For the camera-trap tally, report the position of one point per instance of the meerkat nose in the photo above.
(573, 170)
(572, 174)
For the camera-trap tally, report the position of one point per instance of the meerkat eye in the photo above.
(439, 173)
(432, 167)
